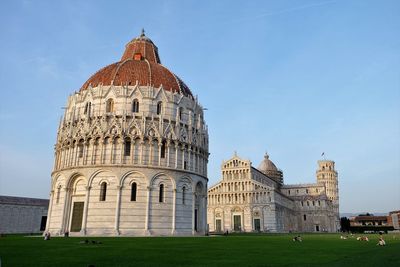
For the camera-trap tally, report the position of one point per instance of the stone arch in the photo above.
(72, 178)
(94, 174)
(129, 173)
(155, 178)
(59, 179)
(185, 181)
(199, 188)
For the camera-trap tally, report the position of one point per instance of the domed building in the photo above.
(249, 199)
(131, 153)
(269, 169)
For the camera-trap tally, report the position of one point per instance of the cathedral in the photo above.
(131, 153)
(250, 199)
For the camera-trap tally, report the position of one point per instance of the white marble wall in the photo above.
(118, 215)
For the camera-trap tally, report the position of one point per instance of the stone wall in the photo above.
(23, 216)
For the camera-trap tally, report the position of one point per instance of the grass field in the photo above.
(233, 250)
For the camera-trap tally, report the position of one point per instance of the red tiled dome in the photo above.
(139, 64)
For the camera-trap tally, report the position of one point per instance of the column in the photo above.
(117, 209)
(133, 148)
(183, 157)
(112, 151)
(150, 162)
(159, 153)
(168, 145)
(65, 212)
(85, 210)
(49, 211)
(193, 209)
(173, 212)
(86, 146)
(70, 149)
(146, 225)
(141, 152)
(176, 155)
(189, 165)
(122, 151)
(204, 213)
(102, 152)
(76, 154)
(93, 142)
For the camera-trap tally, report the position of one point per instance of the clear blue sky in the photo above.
(294, 78)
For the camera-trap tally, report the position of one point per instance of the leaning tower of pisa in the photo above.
(327, 174)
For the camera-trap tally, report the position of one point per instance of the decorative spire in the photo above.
(142, 34)
(266, 155)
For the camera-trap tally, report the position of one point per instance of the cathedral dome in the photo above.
(267, 165)
(140, 65)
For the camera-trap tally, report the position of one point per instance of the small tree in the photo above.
(345, 224)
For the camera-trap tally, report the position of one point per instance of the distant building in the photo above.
(369, 222)
(394, 219)
(22, 214)
(256, 199)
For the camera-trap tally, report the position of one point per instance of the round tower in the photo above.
(327, 174)
(131, 152)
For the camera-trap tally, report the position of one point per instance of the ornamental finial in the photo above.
(142, 34)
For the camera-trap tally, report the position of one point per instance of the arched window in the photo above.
(183, 195)
(304, 217)
(159, 108)
(103, 191)
(110, 105)
(58, 194)
(88, 107)
(127, 148)
(135, 106)
(180, 113)
(162, 152)
(80, 149)
(161, 194)
(133, 192)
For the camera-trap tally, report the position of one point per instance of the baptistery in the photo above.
(131, 153)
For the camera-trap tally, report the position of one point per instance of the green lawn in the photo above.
(233, 250)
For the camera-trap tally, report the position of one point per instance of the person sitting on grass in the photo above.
(47, 236)
(363, 238)
(381, 242)
(297, 239)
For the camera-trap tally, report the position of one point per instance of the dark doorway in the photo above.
(218, 227)
(317, 228)
(43, 223)
(257, 226)
(237, 222)
(77, 215)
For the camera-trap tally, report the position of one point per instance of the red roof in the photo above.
(139, 64)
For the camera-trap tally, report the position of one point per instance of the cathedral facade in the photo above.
(250, 199)
(131, 153)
